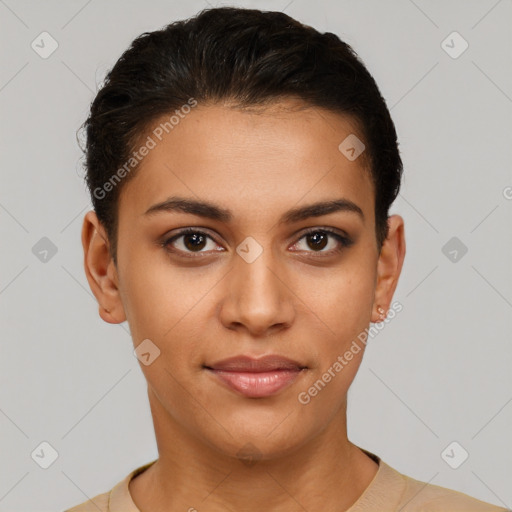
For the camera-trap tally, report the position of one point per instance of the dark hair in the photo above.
(245, 57)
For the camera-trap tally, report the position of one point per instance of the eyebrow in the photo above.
(214, 212)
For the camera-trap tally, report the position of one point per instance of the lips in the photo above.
(256, 378)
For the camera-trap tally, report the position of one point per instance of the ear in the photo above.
(100, 270)
(389, 266)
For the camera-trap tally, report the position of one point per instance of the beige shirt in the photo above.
(389, 491)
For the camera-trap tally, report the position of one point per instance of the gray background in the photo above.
(439, 372)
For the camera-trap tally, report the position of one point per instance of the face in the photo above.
(259, 272)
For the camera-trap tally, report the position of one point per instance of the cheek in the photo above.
(155, 295)
(166, 305)
(343, 304)
(342, 301)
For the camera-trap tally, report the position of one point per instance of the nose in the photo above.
(258, 297)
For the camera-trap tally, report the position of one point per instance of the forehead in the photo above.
(250, 160)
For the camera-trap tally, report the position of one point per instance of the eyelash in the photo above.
(343, 241)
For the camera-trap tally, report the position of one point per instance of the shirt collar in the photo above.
(383, 492)
(120, 499)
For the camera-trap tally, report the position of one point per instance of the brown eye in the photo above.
(316, 240)
(190, 241)
(194, 241)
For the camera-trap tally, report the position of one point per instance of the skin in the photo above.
(294, 300)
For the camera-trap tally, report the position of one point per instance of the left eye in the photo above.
(319, 239)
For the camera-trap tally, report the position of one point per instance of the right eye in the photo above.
(189, 241)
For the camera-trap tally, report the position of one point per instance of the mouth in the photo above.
(256, 378)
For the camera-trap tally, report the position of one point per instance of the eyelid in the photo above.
(331, 230)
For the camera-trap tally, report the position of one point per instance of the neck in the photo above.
(326, 473)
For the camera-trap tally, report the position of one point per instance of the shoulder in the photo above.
(118, 499)
(423, 497)
(97, 504)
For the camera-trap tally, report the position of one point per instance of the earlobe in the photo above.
(100, 270)
(389, 267)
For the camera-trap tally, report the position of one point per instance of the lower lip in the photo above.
(255, 384)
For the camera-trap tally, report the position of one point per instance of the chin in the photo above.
(259, 439)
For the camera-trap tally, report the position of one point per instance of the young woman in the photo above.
(241, 167)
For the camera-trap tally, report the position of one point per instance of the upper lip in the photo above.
(251, 364)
